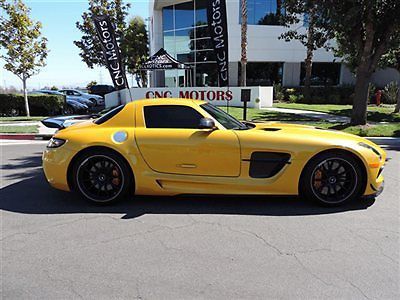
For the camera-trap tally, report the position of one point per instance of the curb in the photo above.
(32, 136)
(391, 141)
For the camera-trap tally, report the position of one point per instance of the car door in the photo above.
(70, 95)
(170, 142)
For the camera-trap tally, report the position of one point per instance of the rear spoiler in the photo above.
(63, 122)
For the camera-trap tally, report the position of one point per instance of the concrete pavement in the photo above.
(311, 114)
(56, 246)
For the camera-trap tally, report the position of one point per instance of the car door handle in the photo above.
(187, 166)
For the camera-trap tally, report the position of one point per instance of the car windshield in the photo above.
(223, 118)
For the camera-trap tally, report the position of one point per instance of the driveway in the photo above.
(56, 246)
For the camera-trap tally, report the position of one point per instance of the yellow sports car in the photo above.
(180, 146)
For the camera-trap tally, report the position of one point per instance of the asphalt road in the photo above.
(56, 246)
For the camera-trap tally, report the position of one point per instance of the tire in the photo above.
(68, 110)
(94, 102)
(101, 177)
(332, 179)
(13, 112)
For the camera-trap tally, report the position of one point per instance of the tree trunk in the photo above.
(307, 78)
(364, 71)
(360, 102)
(310, 50)
(243, 44)
(397, 108)
(28, 114)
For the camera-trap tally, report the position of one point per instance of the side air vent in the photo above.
(267, 164)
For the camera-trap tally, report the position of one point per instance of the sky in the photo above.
(64, 65)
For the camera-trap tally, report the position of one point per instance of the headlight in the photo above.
(362, 144)
(55, 143)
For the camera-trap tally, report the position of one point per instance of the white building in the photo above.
(180, 27)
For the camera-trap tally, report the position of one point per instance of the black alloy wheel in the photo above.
(102, 177)
(333, 179)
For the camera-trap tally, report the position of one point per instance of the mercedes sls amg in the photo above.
(180, 146)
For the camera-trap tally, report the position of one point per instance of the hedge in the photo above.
(320, 95)
(39, 105)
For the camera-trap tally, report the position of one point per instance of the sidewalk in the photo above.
(43, 131)
(311, 114)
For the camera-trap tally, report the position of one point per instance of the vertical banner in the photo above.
(218, 27)
(106, 34)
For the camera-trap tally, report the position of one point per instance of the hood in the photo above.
(309, 134)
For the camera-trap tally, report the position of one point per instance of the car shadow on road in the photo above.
(33, 195)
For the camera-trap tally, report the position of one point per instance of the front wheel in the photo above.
(101, 177)
(68, 110)
(332, 179)
(94, 102)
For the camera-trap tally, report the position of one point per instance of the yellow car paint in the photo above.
(203, 161)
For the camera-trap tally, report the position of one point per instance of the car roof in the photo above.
(166, 101)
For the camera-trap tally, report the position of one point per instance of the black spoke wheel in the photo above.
(333, 179)
(101, 177)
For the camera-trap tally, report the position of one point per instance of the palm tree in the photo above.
(243, 60)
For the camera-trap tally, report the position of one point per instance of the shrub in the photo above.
(390, 93)
(293, 98)
(278, 92)
(40, 105)
(371, 93)
(322, 95)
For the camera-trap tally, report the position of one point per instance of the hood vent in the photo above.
(271, 129)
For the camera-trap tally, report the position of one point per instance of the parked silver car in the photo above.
(71, 107)
(83, 97)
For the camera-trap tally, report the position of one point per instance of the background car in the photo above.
(71, 107)
(88, 99)
(101, 89)
(172, 146)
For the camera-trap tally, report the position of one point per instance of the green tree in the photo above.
(365, 31)
(25, 50)
(89, 45)
(312, 35)
(135, 48)
(90, 84)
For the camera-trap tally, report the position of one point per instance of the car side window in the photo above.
(76, 93)
(171, 116)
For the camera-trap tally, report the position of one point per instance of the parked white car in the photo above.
(83, 97)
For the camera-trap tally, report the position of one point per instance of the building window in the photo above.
(187, 38)
(263, 73)
(184, 15)
(322, 73)
(264, 12)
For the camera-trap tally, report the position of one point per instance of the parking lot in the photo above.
(56, 246)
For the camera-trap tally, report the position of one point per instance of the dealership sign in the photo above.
(112, 56)
(260, 96)
(217, 23)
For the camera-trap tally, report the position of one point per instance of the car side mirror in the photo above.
(207, 123)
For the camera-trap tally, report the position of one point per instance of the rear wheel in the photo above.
(332, 179)
(101, 177)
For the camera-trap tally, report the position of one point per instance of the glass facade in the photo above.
(264, 12)
(322, 73)
(186, 37)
